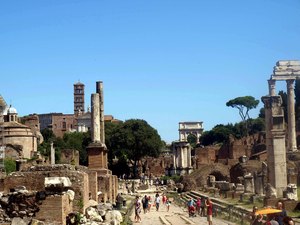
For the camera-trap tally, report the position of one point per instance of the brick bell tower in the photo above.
(78, 98)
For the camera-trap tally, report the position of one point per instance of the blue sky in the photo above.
(164, 61)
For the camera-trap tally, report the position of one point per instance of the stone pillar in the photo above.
(292, 144)
(259, 184)
(99, 90)
(52, 152)
(272, 90)
(95, 129)
(248, 184)
(276, 149)
(181, 157)
(189, 157)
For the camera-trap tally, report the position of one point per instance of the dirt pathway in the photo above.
(175, 216)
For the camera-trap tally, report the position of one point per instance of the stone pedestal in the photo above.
(55, 209)
(249, 184)
(97, 156)
(259, 184)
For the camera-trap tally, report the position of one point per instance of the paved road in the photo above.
(175, 216)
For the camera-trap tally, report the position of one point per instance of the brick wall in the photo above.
(55, 208)
(34, 181)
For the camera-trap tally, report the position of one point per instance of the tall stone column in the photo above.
(189, 160)
(95, 131)
(272, 90)
(99, 90)
(52, 152)
(276, 150)
(292, 144)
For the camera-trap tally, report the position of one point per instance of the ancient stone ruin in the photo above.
(62, 193)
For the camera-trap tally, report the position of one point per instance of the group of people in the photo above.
(146, 202)
(279, 218)
(199, 208)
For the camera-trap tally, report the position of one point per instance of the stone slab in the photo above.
(288, 62)
(54, 181)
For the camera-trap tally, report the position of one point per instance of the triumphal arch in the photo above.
(190, 128)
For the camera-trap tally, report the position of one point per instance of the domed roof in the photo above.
(11, 110)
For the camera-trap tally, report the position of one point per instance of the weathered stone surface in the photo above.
(291, 192)
(288, 63)
(270, 191)
(57, 182)
(36, 222)
(18, 221)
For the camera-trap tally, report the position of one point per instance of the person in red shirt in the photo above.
(198, 205)
(209, 208)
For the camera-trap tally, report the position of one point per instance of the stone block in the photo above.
(57, 182)
(288, 63)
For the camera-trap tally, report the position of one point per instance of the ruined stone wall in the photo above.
(69, 156)
(55, 208)
(156, 166)
(206, 155)
(33, 179)
(93, 185)
(248, 146)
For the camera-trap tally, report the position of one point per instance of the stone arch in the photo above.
(219, 176)
(219, 170)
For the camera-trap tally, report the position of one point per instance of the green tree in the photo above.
(218, 135)
(135, 139)
(78, 141)
(48, 135)
(9, 165)
(244, 105)
(192, 139)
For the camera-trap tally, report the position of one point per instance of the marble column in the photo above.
(99, 90)
(189, 157)
(292, 144)
(272, 90)
(52, 152)
(95, 129)
(181, 157)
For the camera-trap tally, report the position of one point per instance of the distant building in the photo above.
(19, 140)
(59, 123)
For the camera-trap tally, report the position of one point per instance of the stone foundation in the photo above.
(55, 208)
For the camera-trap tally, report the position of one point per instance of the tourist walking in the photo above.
(164, 199)
(168, 203)
(202, 213)
(157, 201)
(198, 205)
(149, 203)
(145, 203)
(138, 206)
(209, 210)
(279, 217)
